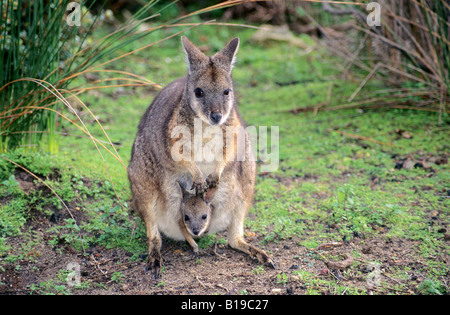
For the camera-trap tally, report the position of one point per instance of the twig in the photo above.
(329, 245)
(222, 287)
(341, 264)
(316, 252)
(97, 264)
(392, 279)
(364, 81)
(318, 105)
(201, 283)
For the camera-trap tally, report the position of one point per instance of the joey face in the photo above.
(196, 215)
(209, 89)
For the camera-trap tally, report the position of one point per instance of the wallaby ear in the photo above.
(194, 57)
(227, 56)
(208, 196)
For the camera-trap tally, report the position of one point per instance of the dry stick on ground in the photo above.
(318, 105)
(341, 265)
(366, 104)
(363, 83)
(356, 53)
(329, 245)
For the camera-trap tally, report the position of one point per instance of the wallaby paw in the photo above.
(199, 187)
(195, 252)
(154, 266)
(212, 180)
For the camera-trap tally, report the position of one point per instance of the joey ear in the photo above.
(227, 56)
(183, 192)
(194, 57)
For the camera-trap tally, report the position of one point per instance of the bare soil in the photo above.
(377, 265)
(220, 269)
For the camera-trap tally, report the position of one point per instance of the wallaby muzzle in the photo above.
(215, 117)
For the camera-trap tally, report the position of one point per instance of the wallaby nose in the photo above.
(215, 117)
(195, 231)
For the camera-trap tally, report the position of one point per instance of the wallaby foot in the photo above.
(154, 264)
(154, 254)
(194, 247)
(199, 186)
(212, 180)
(255, 253)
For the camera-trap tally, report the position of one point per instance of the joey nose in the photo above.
(215, 117)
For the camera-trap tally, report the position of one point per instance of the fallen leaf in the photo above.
(403, 133)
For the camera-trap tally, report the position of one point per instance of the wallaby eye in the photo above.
(199, 92)
(186, 218)
(204, 217)
(226, 92)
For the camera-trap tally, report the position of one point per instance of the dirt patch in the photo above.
(377, 265)
(420, 160)
(221, 270)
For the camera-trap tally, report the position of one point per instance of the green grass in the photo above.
(324, 179)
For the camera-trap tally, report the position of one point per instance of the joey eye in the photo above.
(204, 217)
(226, 92)
(199, 93)
(186, 218)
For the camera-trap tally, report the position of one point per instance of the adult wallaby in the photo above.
(203, 98)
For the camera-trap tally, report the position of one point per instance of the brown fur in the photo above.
(153, 173)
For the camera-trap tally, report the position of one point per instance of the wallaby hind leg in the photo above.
(144, 206)
(154, 248)
(236, 240)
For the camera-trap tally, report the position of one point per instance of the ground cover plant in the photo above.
(359, 203)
